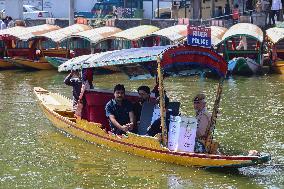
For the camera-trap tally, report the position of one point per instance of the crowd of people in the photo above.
(271, 9)
(124, 116)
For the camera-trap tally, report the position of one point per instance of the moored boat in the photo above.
(56, 61)
(278, 67)
(6, 63)
(275, 44)
(84, 43)
(20, 45)
(31, 64)
(56, 43)
(140, 36)
(243, 44)
(158, 61)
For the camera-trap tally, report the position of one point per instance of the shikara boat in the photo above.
(135, 37)
(243, 49)
(146, 62)
(56, 61)
(6, 43)
(57, 43)
(170, 36)
(275, 44)
(21, 48)
(87, 42)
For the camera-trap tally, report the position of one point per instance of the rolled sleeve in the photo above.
(109, 109)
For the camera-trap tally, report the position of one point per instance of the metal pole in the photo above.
(152, 9)
(184, 8)
(131, 8)
(158, 7)
(243, 7)
(212, 8)
(172, 9)
(162, 103)
(71, 12)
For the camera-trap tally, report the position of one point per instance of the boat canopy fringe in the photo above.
(142, 62)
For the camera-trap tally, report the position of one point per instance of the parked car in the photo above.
(30, 12)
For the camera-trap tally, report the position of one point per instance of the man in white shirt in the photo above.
(276, 6)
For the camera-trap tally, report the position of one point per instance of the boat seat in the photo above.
(66, 113)
(146, 117)
(147, 114)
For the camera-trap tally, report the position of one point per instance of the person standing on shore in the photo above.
(276, 6)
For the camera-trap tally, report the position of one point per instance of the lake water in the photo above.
(34, 154)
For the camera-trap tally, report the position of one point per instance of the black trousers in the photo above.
(272, 16)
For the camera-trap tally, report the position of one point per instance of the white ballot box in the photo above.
(182, 133)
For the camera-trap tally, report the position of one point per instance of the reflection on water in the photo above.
(36, 155)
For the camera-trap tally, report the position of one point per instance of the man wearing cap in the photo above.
(203, 121)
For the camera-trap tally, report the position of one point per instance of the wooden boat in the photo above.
(173, 59)
(170, 36)
(4, 60)
(53, 44)
(20, 46)
(56, 61)
(278, 67)
(275, 44)
(6, 63)
(86, 42)
(32, 64)
(244, 40)
(93, 41)
(135, 37)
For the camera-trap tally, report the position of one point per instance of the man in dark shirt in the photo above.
(144, 96)
(74, 80)
(119, 111)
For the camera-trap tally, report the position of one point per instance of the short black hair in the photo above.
(144, 88)
(119, 87)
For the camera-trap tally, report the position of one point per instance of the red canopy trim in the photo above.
(179, 57)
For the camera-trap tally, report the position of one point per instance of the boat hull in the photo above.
(278, 67)
(242, 66)
(144, 146)
(56, 61)
(31, 64)
(6, 64)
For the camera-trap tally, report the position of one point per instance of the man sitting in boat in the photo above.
(119, 111)
(203, 122)
(155, 127)
(74, 80)
(144, 96)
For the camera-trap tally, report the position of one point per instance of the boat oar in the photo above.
(162, 103)
(211, 147)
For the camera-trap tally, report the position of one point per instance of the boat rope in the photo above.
(210, 130)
